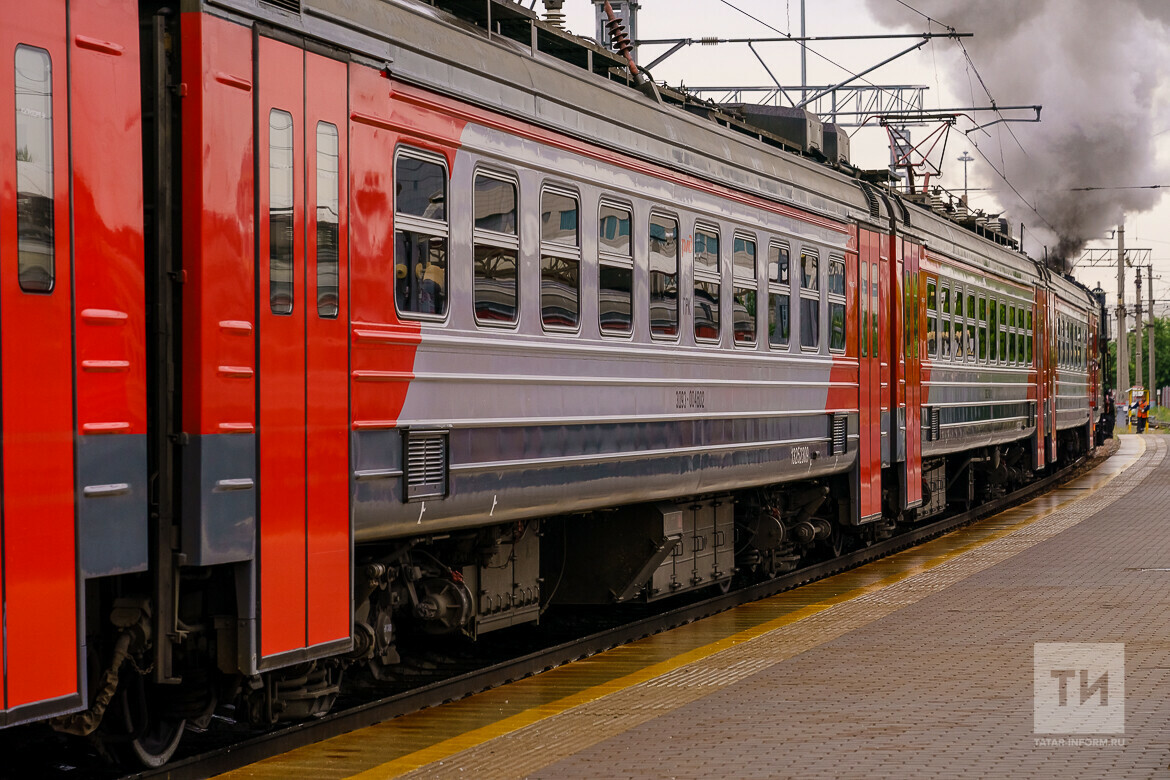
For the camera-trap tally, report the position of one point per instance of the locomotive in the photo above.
(327, 324)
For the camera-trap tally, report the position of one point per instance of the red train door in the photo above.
(1038, 337)
(39, 565)
(327, 358)
(302, 403)
(869, 456)
(911, 254)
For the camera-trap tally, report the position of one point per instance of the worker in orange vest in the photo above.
(1143, 416)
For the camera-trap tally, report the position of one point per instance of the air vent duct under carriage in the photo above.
(425, 464)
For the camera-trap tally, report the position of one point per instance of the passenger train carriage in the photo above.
(325, 324)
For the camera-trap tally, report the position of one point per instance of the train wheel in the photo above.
(838, 542)
(155, 737)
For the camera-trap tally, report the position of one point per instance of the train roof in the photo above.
(502, 56)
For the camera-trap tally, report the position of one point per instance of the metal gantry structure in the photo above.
(1137, 259)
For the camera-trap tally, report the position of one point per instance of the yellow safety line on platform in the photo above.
(473, 738)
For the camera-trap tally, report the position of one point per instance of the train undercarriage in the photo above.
(466, 584)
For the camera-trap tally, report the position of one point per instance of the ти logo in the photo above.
(1078, 688)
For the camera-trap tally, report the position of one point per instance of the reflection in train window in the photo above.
(931, 318)
(280, 212)
(663, 276)
(560, 260)
(836, 291)
(34, 170)
(420, 234)
(328, 219)
(743, 302)
(707, 284)
(810, 302)
(497, 250)
(779, 296)
(615, 269)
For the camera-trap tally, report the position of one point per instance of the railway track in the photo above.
(223, 753)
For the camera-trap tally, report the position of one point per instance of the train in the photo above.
(333, 327)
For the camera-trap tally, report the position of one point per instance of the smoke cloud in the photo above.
(1094, 67)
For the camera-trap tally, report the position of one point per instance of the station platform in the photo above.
(940, 661)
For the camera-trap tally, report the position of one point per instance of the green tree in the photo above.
(1161, 352)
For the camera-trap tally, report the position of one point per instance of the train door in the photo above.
(302, 389)
(869, 456)
(1042, 399)
(39, 566)
(911, 475)
(1051, 368)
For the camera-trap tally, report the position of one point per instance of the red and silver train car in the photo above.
(325, 324)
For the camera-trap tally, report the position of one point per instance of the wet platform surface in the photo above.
(919, 665)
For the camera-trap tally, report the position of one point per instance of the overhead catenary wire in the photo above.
(814, 52)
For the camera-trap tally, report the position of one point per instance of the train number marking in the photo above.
(801, 456)
(690, 399)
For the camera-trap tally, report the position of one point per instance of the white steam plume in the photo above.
(1094, 66)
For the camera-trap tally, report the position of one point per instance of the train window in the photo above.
(328, 219)
(960, 345)
(663, 276)
(944, 347)
(970, 305)
(945, 300)
(35, 253)
(981, 333)
(707, 284)
(809, 276)
(560, 260)
(613, 228)
(281, 290)
(420, 234)
(1011, 334)
(1003, 337)
(810, 302)
(931, 318)
(971, 342)
(779, 296)
(497, 249)
(743, 303)
(863, 300)
(836, 296)
(992, 333)
(615, 270)
(778, 263)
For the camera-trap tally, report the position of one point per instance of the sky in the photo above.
(1106, 121)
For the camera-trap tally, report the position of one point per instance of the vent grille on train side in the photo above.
(935, 428)
(289, 5)
(875, 208)
(425, 461)
(840, 434)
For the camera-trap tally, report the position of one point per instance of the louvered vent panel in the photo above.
(875, 209)
(426, 465)
(840, 434)
(289, 5)
(935, 429)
